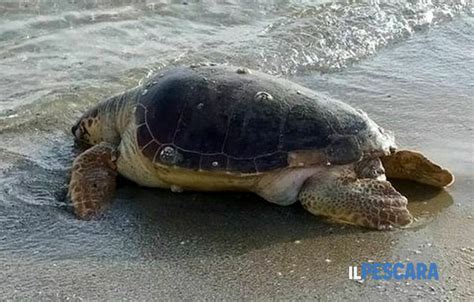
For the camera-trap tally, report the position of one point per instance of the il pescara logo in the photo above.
(394, 271)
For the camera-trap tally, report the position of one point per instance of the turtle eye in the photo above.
(83, 130)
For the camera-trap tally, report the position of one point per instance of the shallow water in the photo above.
(408, 64)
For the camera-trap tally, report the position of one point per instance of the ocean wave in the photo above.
(331, 36)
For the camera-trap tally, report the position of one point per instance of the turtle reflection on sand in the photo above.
(223, 128)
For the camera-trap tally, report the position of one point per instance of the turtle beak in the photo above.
(78, 132)
(73, 129)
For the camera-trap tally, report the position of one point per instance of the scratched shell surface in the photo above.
(225, 119)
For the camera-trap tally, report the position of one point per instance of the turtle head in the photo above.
(88, 128)
(107, 120)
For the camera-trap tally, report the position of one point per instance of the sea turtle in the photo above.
(222, 128)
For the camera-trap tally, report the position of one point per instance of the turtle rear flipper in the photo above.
(412, 165)
(365, 202)
(93, 180)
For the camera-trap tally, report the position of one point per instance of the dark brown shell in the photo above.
(226, 119)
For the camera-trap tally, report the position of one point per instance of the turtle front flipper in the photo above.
(412, 165)
(365, 202)
(93, 180)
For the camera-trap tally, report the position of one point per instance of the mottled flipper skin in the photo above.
(93, 180)
(365, 202)
(412, 165)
